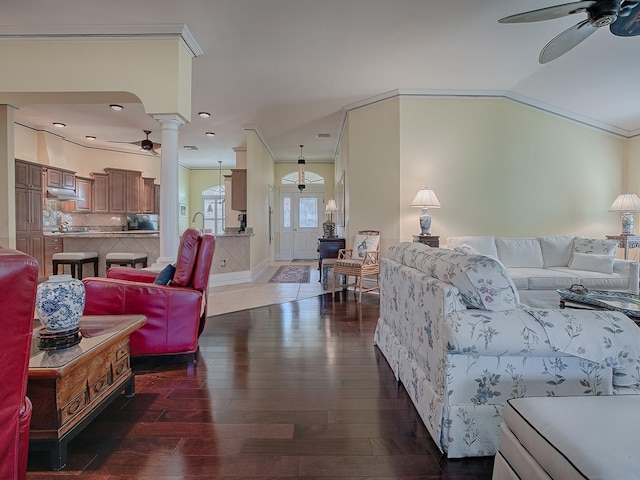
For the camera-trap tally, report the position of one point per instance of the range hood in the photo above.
(62, 194)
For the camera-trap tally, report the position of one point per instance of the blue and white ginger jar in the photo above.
(60, 303)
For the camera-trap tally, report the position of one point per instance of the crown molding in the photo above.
(45, 32)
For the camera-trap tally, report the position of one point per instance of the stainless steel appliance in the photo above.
(142, 222)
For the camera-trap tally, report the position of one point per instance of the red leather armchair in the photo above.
(18, 284)
(176, 313)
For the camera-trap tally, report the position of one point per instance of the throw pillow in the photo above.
(364, 244)
(468, 249)
(165, 276)
(592, 262)
(598, 246)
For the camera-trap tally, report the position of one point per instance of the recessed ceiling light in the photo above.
(116, 107)
(90, 137)
(204, 114)
(59, 125)
(210, 134)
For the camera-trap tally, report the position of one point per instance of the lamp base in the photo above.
(627, 223)
(329, 230)
(425, 222)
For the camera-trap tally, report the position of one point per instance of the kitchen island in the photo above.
(105, 242)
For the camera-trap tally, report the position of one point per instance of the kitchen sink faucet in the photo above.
(194, 218)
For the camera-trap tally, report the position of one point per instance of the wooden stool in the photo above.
(75, 259)
(126, 259)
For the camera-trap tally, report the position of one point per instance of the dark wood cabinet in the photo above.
(29, 199)
(125, 190)
(51, 245)
(239, 189)
(84, 189)
(100, 193)
(328, 248)
(156, 202)
(148, 195)
(431, 240)
(59, 178)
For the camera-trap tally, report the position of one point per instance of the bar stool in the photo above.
(126, 259)
(75, 259)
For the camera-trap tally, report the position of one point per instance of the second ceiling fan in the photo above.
(146, 144)
(622, 17)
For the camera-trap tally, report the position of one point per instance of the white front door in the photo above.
(301, 214)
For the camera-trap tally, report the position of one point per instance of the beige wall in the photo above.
(372, 177)
(200, 180)
(497, 167)
(260, 174)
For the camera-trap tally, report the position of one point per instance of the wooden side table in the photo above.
(626, 242)
(69, 387)
(328, 248)
(431, 240)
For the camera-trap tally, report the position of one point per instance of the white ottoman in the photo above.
(592, 437)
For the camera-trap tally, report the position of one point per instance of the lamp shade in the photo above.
(425, 198)
(626, 202)
(331, 206)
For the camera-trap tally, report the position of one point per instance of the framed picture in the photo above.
(183, 210)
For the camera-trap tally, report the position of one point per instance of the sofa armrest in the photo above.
(632, 270)
(132, 274)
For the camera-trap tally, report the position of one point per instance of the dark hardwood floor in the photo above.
(290, 390)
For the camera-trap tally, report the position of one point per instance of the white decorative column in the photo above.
(169, 226)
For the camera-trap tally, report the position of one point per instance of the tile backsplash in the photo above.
(53, 218)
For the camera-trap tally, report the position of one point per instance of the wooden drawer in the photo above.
(51, 245)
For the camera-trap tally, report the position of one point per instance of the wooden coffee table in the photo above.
(69, 387)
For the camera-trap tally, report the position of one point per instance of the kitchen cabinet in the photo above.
(84, 190)
(100, 193)
(239, 189)
(60, 178)
(29, 198)
(125, 190)
(51, 245)
(148, 195)
(156, 202)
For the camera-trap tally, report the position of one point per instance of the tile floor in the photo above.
(232, 298)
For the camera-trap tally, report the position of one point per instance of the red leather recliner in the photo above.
(176, 313)
(18, 284)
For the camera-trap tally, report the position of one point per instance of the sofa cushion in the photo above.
(483, 282)
(519, 252)
(598, 246)
(556, 250)
(592, 262)
(543, 279)
(486, 245)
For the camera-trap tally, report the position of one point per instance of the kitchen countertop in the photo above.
(98, 234)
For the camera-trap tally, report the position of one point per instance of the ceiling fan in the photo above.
(146, 144)
(622, 17)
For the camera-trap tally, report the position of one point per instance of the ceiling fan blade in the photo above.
(549, 13)
(564, 42)
(628, 24)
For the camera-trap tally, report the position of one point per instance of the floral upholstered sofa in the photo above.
(455, 334)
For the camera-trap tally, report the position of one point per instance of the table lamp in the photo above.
(330, 227)
(627, 203)
(425, 199)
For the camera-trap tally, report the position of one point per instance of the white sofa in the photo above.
(539, 266)
(454, 333)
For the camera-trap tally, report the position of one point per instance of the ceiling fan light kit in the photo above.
(622, 17)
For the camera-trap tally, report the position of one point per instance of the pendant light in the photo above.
(301, 163)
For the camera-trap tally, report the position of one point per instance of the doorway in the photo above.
(301, 217)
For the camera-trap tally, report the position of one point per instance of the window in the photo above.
(213, 209)
(310, 178)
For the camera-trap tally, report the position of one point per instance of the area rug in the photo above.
(291, 274)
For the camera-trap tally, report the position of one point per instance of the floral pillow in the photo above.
(599, 246)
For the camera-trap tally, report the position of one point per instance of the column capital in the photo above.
(170, 119)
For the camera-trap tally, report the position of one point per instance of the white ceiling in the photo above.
(289, 67)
